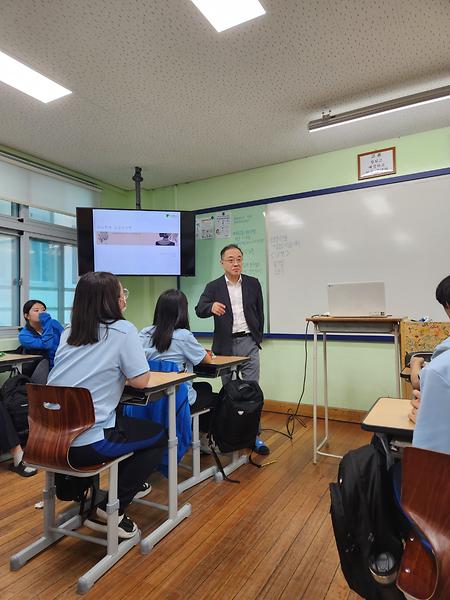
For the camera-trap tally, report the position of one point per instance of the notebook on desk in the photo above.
(361, 299)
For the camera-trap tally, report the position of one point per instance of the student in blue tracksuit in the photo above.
(41, 333)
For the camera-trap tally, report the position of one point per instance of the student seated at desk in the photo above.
(418, 365)
(41, 333)
(169, 338)
(99, 351)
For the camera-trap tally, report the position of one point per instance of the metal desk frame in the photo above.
(324, 325)
(219, 366)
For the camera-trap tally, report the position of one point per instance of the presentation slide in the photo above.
(133, 242)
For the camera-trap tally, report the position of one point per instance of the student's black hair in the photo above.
(443, 292)
(96, 301)
(171, 312)
(26, 309)
(29, 305)
(229, 247)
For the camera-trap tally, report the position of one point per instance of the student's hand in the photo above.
(417, 363)
(218, 309)
(44, 317)
(415, 404)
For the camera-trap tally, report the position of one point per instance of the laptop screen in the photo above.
(361, 299)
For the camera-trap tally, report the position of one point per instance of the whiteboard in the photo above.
(397, 233)
(246, 228)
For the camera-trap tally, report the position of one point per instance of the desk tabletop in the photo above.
(389, 415)
(160, 381)
(227, 361)
(326, 319)
(18, 358)
(219, 364)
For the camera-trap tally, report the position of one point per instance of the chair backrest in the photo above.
(426, 499)
(56, 416)
(40, 372)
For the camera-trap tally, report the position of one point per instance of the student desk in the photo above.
(390, 416)
(324, 325)
(160, 384)
(219, 365)
(16, 360)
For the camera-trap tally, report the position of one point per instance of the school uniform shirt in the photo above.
(184, 350)
(102, 368)
(432, 430)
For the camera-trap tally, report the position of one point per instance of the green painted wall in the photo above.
(358, 372)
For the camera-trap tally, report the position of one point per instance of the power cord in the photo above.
(294, 417)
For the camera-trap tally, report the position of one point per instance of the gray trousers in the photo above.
(245, 346)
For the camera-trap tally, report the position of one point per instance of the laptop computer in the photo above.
(361, 299)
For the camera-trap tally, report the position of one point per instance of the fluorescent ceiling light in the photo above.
(24, 79)
(367, 112)
(223, 14)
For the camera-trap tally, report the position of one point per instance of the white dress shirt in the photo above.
(237, 306)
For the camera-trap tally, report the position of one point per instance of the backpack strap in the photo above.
(219, 464)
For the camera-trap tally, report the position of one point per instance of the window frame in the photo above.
(27, 228)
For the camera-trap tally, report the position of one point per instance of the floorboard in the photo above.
(268, 537)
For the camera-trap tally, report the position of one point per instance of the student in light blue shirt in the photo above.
(432, 430)
(169, 338)
(99, 351)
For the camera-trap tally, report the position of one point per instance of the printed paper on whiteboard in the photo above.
(204, 228)
(223, 225)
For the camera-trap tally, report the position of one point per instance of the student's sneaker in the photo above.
(260, 447)
(204, 446)
(145, 489)
(126, 529)
(22, 470)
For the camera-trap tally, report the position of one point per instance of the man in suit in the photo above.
(236, 303)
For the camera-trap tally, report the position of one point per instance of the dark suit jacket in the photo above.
(252, 300)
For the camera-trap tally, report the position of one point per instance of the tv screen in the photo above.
(136, 242)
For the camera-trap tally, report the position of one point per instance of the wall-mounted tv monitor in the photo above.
(136, 242)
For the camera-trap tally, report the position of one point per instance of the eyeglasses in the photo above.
(232, 261)
(126, 293)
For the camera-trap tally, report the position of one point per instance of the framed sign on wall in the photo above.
(376, 163)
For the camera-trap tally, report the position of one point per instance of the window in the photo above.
(38, 214)
(39, 260)
(9, 280)
(53, 276)
(8, 208)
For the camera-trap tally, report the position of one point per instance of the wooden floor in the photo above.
(268, 538)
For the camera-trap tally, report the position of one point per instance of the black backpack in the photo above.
(14, 395)
(76, 489)
(364, 519)
(236, 415)
(235, 418)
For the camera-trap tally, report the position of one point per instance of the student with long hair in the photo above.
(41, 333)
(99, 351)
(169, 338)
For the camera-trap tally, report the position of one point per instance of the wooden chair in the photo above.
(57, 415)
(426, 499)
